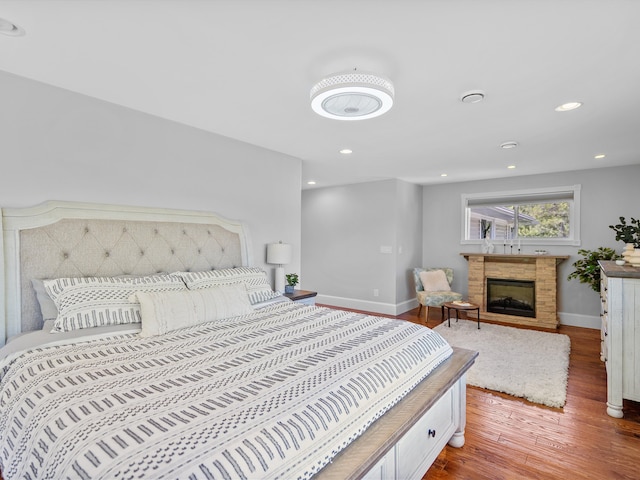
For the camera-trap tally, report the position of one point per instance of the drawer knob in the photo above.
(431, 433)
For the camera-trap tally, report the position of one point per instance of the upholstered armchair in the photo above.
(433, 288)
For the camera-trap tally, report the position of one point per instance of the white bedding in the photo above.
(273, 394)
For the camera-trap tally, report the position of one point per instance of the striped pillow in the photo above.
(163, 312)
(255, 279)
(87, 302)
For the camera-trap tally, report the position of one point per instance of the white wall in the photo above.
(59, 145)
(344, 232)
(607, 194)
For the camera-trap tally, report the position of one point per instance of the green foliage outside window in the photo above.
(551, 220)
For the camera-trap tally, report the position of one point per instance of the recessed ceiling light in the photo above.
(443, 174)
(507, 145)
(352, 96)
(311, 182)
(10, 28)
(473, 96)
(599, 156)
(346, 151)
(511, 167)
(565, 107)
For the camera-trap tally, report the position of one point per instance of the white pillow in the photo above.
(86, 302)
(434, 281)
(163, 312)
(258, 286)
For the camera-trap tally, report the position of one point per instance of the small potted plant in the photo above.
(629, 233)
(292, 281)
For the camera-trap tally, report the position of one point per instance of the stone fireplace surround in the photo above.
(542, 269)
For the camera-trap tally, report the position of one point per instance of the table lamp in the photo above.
(279, 254)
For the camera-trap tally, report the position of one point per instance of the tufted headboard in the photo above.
(62, 239)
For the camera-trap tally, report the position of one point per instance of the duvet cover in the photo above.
(272, 394)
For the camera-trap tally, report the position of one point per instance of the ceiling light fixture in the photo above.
(443, 174)
(10, 28)
(565, 107)
(511, 167)
(352, 96)
(508, 145)
(599, 156)
(311, 182)
(346, 151)
(473, 96)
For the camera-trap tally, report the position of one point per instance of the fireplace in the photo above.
(511, 297)
(541, 270)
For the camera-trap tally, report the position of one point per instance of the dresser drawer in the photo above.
(422, 444)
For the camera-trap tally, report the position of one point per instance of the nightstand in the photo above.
(302, 296)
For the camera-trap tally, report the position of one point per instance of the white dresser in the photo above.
(620, 333)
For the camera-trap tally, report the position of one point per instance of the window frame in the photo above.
(565, 193)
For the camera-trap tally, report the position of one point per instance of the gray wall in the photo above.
(607, 193)
(344, 227)
(346, 231)
(59, 145)
(409, 221)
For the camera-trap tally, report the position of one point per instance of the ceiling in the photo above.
(244, 69)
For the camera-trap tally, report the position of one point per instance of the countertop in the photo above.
(627, 270)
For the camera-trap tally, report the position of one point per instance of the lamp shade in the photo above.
(279, 253)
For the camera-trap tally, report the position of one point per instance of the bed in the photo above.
(165, 354)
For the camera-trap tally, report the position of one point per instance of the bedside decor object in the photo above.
(292, 281)
(279, 254)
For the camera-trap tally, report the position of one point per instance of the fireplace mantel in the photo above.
(515, 258)
(540, 268)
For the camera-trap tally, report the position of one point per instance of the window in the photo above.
(533, 217)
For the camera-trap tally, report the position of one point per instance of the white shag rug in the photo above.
(524, 363)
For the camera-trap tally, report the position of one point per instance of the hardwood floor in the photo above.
(510, 438)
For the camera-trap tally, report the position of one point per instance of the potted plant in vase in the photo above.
(587, 269)
(629, 233)
(292, 281)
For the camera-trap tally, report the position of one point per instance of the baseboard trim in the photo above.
(577, 320)
(367, 305)
(569, 319)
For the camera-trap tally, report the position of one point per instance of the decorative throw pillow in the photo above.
(87, 302)
(163, 312)
(434, 281)
(258, 287)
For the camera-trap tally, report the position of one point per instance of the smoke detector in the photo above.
(472, 96)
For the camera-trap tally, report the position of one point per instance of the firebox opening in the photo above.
(511, 297)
